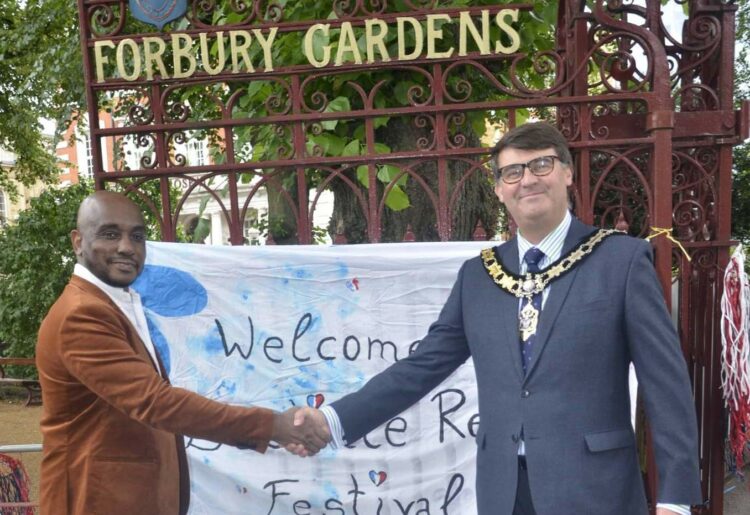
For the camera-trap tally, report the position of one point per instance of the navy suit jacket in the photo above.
(573, 404)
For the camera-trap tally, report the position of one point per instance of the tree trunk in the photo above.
(475, 203)
(282, 228)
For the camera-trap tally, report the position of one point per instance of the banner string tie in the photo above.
(663, 231)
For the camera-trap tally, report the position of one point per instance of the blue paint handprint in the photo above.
(168, 292)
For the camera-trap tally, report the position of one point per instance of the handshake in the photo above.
(301, 431)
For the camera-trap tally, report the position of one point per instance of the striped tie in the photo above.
(532, 257)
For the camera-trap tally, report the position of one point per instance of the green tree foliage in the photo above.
(36, 260)
(741, 194)
(40, 77)
(742, 35)
(741, 153)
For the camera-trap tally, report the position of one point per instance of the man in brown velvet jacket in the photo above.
(112, 423)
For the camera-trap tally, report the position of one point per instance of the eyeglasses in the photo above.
(539, 166)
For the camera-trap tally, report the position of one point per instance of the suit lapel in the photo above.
(140, 347)
(508, 254)
(559, 290)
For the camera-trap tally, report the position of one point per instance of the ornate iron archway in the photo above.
(649, 116)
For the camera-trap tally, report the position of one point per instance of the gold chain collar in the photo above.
(530, 284)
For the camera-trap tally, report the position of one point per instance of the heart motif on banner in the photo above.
(378, 478)
(315, 401)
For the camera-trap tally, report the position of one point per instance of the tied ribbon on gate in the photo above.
(14, 485)
(667, 233)
(735, 355)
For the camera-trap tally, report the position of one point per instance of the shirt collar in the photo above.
(115, 292)
(551, 245)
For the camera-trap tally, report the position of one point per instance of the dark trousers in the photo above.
(523, 506)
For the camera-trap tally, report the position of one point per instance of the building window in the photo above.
(88, 172)
(197, 152)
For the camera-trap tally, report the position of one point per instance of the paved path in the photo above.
(737, 495)
(20, 425)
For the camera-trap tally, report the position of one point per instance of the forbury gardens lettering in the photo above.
(181, 55)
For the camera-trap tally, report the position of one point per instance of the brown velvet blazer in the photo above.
(111, 422)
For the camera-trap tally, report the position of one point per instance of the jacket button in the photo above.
(525, 393)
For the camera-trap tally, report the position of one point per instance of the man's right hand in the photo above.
(301, 431)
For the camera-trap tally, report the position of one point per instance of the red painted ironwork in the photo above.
(649, 115)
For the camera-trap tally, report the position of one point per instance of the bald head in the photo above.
(110, 238)
(90, 209)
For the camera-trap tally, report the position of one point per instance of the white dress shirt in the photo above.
(552, 246)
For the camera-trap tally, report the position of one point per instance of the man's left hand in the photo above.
(665, 511)
(299, 434)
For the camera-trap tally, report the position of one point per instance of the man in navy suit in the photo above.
(552, 319)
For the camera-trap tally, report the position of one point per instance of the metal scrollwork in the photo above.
(600, 131)
(203, 7)
(701, 44)
(621, 189)
(708, 159)
(148, 141)
(284, 133)
(547, 68)
(274, 12)
(458, 90)
(174, 158)
(105, 20)
(316, 129)
(462, 90)
(345, 8)
(615, 57)
(350, 8)
(604, 116)
(203, 12)
(241, 6)
(696, 97)
(569, 124)
(417, 95)
(279, 102)
(318, 102)
(424, 121)
(548, 65)
(454, 122)
(175, 111)
(705, 259)
(313, 148)
(692, 192)
(140, 114)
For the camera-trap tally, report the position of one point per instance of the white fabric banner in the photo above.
(304, 325)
